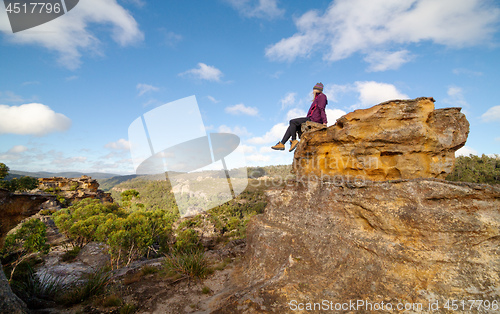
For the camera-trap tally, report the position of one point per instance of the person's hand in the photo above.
(324, 124)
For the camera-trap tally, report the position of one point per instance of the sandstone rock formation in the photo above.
(399, 139)
(419, 242)
(75, 189)
(13, 209)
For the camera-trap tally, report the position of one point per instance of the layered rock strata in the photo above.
(398, 139)
(421, 242)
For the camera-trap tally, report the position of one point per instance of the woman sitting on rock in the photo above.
(316, 114)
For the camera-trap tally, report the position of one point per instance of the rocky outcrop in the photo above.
(399, 139)
(74, 189)
(415, 243)
(15, 207)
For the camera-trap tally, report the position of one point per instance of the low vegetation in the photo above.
(144, 223)
(484, 169)
(21, 184)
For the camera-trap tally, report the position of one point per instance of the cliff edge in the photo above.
(420, 242)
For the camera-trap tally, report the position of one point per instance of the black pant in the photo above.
(293, 128)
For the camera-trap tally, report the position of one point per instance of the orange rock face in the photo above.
(399, 139)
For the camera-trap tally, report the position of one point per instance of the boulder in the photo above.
(409, 243)
(398, 139)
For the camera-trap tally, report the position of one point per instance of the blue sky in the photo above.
(70, 88)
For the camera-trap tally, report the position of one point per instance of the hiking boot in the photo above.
(293, 145)
(279, 146)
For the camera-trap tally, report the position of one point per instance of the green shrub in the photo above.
(187, 241)
(31, 237)
(130, 235)
(484, 169)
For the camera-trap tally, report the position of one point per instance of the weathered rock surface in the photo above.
(407, 241)
(15, 207)
(399, 139)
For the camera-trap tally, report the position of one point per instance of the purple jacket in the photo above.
(317, 111)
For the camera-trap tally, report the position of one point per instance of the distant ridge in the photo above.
(67, 174)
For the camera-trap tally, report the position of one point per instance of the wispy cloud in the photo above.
(288, 100)
(456, 97)
(267, 9)
(344, 29)
(492, 114)
(204, 72)
(242, 109)
(121, 144)
(382, 60)
(145, 88)
(238, 130)
(212, 99)
(9, 97)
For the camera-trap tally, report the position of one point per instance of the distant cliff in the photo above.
(74, 189)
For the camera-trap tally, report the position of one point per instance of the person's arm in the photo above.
(321, 107)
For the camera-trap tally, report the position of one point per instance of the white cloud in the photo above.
(69, 35)
(204, 72)
(257, 8)
(288, 100)
(35, 119)
(382, 60)
(333, 114)
(345, 29)
(465, 151)
(274, 135)
(295, 113)
(242, 109)
(372, 93)
(144, 88)
(240, 131)
(246, 149)
(492, 114)
(17, 149)
(332, 91)
(257, 158)
(121, 144)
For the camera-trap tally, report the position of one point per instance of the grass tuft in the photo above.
(192, 264)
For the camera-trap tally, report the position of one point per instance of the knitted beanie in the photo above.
(318, 86)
